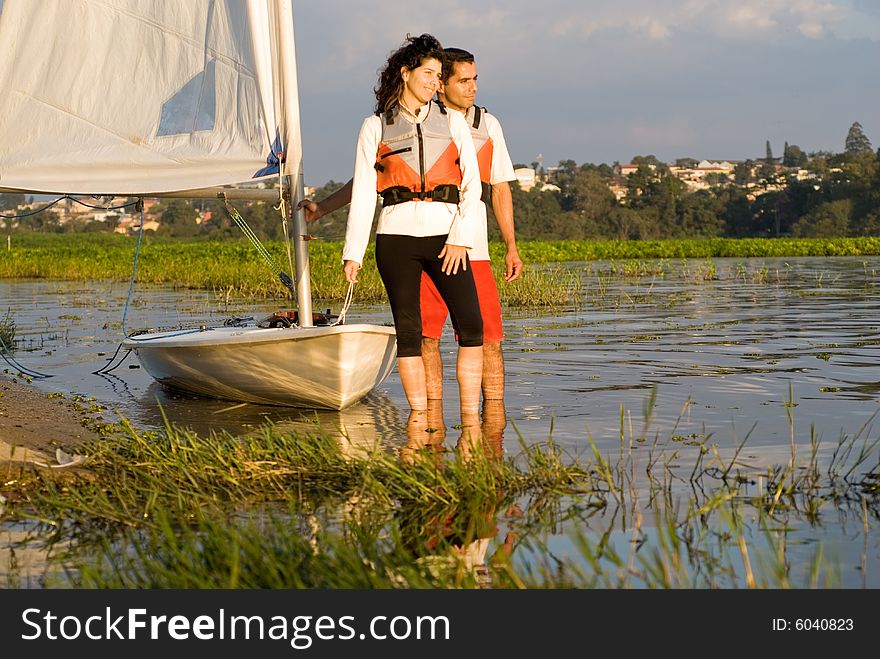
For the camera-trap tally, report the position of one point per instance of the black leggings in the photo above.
(401, 260)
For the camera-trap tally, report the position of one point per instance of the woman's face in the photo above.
(420, 84)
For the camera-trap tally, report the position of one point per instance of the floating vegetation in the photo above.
(232, 269)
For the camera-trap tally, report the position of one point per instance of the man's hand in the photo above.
(514, 265)
(454, 256)
(350, 268)
(311, 209)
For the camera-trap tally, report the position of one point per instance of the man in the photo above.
(458, 92)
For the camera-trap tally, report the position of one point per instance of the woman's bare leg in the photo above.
(469, 371)
(412, 377)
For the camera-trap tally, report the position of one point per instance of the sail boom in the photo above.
(240, 194)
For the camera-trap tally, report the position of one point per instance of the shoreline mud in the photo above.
(34, 425)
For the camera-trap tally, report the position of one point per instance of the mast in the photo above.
(292, 140)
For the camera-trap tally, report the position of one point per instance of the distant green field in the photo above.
(235, 268)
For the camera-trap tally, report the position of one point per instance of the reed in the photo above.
(7, 332)
(172, 509)
(233, 268)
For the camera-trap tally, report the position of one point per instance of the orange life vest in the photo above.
(485, 147)
(417, 161)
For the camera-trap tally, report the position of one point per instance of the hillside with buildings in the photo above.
(819, 194)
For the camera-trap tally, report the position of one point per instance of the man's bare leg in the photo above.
(494, 423)
(436, 424)
(433, 368)
(425, 429)
(493, 371)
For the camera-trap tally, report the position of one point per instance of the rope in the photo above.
(73, 199)
(255, 241)
(137, 252)
(107, 367)
(340, 319)
(282, 207)
(7, 357)
(166, 336)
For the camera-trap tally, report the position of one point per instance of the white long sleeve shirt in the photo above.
(500, 172)
(411, 218)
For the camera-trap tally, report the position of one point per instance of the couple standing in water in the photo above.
(435, 163)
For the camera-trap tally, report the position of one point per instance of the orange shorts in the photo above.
(434, 311)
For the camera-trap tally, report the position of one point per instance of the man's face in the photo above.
(460, 91)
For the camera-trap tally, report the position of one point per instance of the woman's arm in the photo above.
(463, 229)
(363, 192)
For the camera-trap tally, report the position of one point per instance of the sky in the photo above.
(601, 82)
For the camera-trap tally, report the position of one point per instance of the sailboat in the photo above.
(196, 99)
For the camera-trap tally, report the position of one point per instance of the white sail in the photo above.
(164, 98)
(141, 97)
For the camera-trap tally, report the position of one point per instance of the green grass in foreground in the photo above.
(172, 509)
(233, 268)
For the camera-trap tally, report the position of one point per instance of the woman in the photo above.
(421, 160)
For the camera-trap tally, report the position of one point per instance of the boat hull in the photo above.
(318, 367)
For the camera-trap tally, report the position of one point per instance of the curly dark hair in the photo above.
(411, 55)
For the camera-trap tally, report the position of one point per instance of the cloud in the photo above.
(598, 82)
(745, 19)
(867, 6)
(812, 30)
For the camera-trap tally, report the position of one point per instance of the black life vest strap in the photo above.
(477, 113)
(486, 197)
(447, 194)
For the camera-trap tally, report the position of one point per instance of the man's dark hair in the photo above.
(451, 57)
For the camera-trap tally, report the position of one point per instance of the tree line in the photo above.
(839, 197)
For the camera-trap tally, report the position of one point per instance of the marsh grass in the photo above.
(172, 509)
(7, 332)
(232, 268)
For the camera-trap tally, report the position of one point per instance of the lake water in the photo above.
(779, 350)
(724, 355)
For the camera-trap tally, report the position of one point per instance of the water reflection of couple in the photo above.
(426, 430)
(463, 532)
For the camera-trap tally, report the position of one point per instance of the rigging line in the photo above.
(288, 279)
(105, 369)
(102, 208)
(249, 233)
(255, 241)
(34, 212)
(137, 251)
(73, 199)
(6, 353)
(170, 335)
(108, 370)
(340, 319)
(282, 206)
